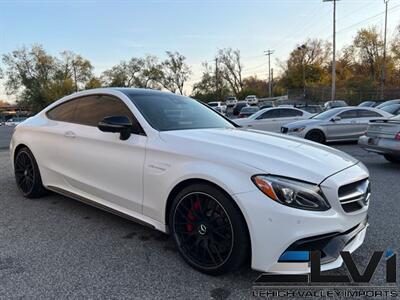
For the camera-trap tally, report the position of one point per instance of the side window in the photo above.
(369, 114)
(286, 113)
(274, 113)
(93, 109)
(64, 112)
(349, 114)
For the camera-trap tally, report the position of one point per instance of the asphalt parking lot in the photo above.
(56, 247)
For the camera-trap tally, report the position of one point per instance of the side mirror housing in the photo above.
(336, 119)
(120, 124)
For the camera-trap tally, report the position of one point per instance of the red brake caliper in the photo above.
(191, 217)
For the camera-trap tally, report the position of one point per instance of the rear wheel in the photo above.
(209, 230)
(392, 158)
(27, 174)
(316, 136)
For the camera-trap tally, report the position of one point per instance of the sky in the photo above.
(106, 32)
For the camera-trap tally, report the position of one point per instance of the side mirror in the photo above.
(120, 124)
(336, 119)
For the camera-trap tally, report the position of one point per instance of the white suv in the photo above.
(231, 101)
(252, 100)
(221, 106)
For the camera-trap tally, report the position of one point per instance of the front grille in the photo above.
(284, 129)
(355, 196)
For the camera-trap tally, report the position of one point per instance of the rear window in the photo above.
(64, 112)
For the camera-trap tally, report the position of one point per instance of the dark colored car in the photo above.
(266, 104)
(248, 111)
(238, 107)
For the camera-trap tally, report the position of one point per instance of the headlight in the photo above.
(297, 129)
(291, 192)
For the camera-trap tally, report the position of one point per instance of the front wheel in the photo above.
(392, 158)
(316, 136)
(209, 230)
(27, 174)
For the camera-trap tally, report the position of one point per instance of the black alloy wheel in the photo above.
(316, 136)
(27, 174)
(208, 232)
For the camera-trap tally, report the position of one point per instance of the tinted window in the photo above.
(64, 112)
(369, 113)
(274, 113)
(349, 114)
(172, 112)
(285, 113)
(93, 109)
(326, 114)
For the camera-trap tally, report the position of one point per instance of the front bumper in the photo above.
(274, 227)
(379, 145)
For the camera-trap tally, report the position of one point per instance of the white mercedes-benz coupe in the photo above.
(225, 194)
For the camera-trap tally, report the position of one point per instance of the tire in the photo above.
(27, 174)
(316, 136)
(209, 230)
(392, 158)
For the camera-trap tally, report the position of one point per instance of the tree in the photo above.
(230, 66)
(211, 86)
(29, 73)
(137, 72)
(368, 49)
(175, 72)
(93, 83)
(75, 67)
(312, 57)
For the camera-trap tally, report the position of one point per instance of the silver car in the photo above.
(383, 137)
(337, 124)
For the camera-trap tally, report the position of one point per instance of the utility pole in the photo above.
(383, 78)
(303, 49)
(333, 96)
(269, 53)
(272, 82)
(217, 79)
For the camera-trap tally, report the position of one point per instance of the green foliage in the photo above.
(38, 78)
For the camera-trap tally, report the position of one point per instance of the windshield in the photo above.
(391, 108)
(173, 112)
(326, 114)
(213, 103)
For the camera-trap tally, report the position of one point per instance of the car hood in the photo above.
(265, 152)
(306, 122)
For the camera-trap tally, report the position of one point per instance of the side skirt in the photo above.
(98, 205)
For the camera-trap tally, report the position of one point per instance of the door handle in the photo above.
(69, 134)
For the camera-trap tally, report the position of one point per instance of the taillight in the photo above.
(397, 137)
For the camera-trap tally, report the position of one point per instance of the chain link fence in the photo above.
(319, 95)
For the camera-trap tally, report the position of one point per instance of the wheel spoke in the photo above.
(203, 230)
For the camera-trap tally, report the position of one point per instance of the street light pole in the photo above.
(303, 48)
(269, 53)
(383, 78)
(333, 96)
